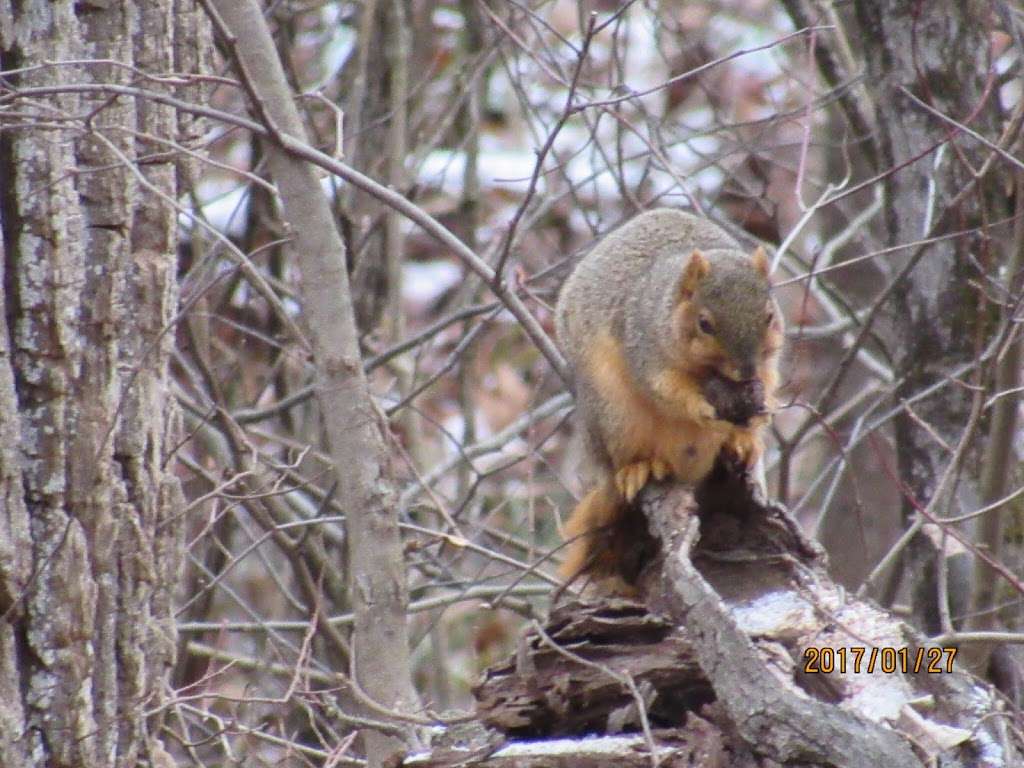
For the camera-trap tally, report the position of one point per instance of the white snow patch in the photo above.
(878, 696)
(743, 35)
(596, 745)
(446, 18)
(774, 612)
(612, 746)
(990, 751)
(506, 169)
(334, 54)
(424, 282)
(225, 209)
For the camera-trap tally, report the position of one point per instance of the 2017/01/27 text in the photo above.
(887, 659)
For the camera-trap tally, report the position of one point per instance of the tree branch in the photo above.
(377, 583)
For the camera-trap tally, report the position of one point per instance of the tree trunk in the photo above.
(90, 545)
(939, 52)
(928, 73)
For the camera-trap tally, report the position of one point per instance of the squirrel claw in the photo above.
(660, 469)
(630, 479)
(744, 449)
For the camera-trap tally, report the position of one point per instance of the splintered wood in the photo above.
(714, 667)
(569, 680)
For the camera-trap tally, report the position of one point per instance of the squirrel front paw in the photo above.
(705, 411)
(660, 469)
(631, 478)
(699, 408)
(743, 447)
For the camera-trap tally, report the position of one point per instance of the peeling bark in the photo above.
(720, 669)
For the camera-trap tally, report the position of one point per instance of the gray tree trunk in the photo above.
(927, 68)
(89, 510)
(939, 52)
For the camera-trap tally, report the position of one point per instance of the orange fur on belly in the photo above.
(651, 431)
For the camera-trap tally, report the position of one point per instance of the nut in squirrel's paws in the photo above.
(630, 479)
(735, 401)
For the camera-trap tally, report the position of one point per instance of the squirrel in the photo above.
(665, 316)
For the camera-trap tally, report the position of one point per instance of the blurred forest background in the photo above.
(874, 147)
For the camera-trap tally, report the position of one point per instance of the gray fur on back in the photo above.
(647, 255)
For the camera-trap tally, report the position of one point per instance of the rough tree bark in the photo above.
(937, 54)
(940, 53)
(353, 424)
(921, 60)
(728, 672)
(90, 544)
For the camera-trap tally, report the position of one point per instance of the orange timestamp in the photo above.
(886, 659)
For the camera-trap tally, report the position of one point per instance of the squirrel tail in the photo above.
(589, 524)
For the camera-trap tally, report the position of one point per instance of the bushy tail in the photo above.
(590, 531)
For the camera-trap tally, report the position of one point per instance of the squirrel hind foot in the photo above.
(744, 448)
(631, 478)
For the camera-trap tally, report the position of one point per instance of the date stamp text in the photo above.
(887, 659)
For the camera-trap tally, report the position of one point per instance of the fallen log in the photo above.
(742, 651)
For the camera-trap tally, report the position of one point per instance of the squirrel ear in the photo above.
(696, 270)
(760, 261)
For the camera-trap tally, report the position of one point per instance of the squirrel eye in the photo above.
(769, 317)
(705, 326)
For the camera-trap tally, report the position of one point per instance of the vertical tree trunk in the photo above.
(89, 511)
(938, 54)
(377, 133)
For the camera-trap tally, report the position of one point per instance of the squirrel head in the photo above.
(725, 319)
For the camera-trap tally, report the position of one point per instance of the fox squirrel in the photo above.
(662, 318)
